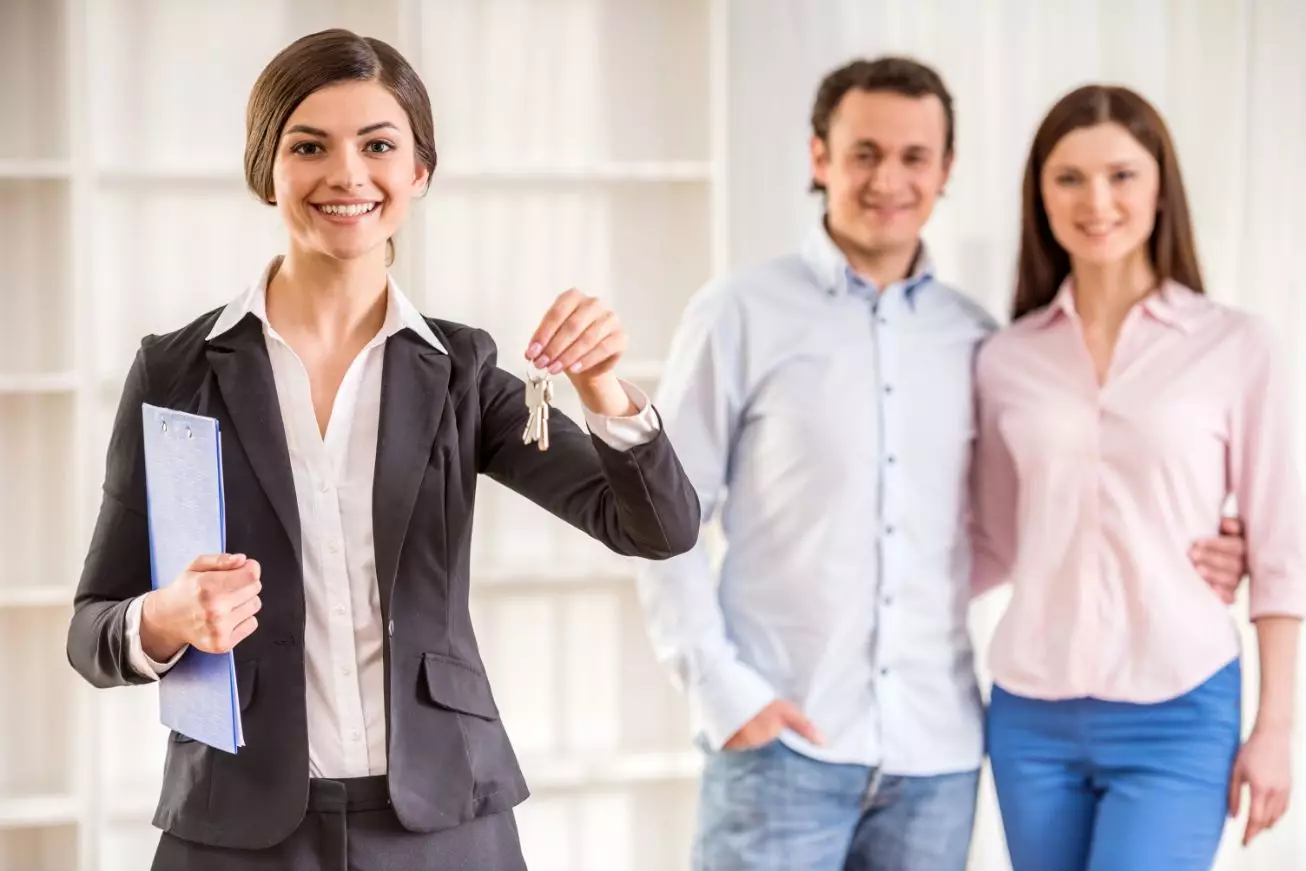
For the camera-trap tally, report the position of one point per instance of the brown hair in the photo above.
(896, 75)
(1043, 264)
(313, 62)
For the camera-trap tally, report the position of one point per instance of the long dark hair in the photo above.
(1043, 263)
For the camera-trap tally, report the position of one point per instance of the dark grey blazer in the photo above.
(444, 420)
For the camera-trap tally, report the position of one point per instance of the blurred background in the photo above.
(632, 148)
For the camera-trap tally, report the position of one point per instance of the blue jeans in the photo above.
(1111, 786)
(772, 809)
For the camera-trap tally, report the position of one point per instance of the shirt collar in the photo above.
(837, 277)
(1173, 304)
(400, 313)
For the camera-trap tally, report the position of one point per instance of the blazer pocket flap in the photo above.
(246, 678)
(458, 687)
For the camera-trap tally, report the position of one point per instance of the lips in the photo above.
(1097, 229)
(345, 210)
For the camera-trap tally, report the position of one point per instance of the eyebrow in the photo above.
(362, 131)
(1119, 164)
(909, 148)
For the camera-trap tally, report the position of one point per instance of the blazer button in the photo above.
(391, 628)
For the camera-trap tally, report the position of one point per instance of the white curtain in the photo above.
(1228, 75)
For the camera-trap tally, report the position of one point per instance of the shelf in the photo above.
(640, 172)
(628, 769)
(35, 747)
(646, 171)
(546, 583)
(37, 526)
(36, 334)
(33, 110)
(55, 382)
(632, 84)
(53, 596)
(34, 169)
(644, 249)
(38, 811)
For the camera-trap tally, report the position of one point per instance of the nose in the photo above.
(1099, 195)
(885, 176)
(346, 170)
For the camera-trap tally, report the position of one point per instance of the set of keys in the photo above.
(539, 394)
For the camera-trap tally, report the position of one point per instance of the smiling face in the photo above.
(1100, 187)
(346, 170)
(882, 165)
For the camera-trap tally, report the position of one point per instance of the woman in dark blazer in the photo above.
(354, 430)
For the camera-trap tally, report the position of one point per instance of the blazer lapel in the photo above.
(239, 357)
(414, 389)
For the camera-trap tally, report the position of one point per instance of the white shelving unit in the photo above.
(599, 166)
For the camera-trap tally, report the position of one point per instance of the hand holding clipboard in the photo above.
(205, 600)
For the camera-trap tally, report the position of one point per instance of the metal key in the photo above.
(539, 393)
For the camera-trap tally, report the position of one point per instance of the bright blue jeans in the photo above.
(1111, 786)
(772, 809)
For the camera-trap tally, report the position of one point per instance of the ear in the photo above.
(421, 178)
(947, 169)
(820, 154)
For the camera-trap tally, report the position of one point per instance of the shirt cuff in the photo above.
(624, 433)
(144, 666)
(728, 698)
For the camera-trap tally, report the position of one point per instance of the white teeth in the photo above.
(348, 211)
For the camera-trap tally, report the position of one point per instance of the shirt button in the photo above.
(333, 545)
(884, 671)
(324, 487)
(888, 600)
(888, 388)
(346, 671)
(892, 459)
(888, 530)
(355, 735)
(339, 609)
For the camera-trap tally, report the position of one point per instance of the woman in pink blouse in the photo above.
(1116, 415)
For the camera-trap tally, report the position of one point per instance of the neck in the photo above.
(883, 266)
(327, 300)
(1107, 291)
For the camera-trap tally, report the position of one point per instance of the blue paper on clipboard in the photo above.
(187, 518)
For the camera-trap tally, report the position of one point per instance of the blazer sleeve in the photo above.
(638, 502)
(117, 565)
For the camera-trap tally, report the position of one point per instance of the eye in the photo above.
(306, 149)
(1123, 175)
(379, 146)
(1066, 179)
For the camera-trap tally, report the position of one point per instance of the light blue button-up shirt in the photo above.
(829, 428)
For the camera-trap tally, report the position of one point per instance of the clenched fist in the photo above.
(211, 606)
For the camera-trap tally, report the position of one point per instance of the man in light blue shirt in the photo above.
(821, 405)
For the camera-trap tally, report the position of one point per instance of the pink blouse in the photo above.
(1088, 499)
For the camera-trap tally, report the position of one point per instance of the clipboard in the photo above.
(187, 517)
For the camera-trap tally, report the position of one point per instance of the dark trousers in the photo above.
(350, 826)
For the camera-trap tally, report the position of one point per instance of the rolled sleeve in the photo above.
(1266, 481)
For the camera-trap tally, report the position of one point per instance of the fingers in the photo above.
(1258, 819)
(215, 562)
(606, 349)
(794, 720)
(546, 343)
(1236, 790)
(1232, 526)
(241, 632)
